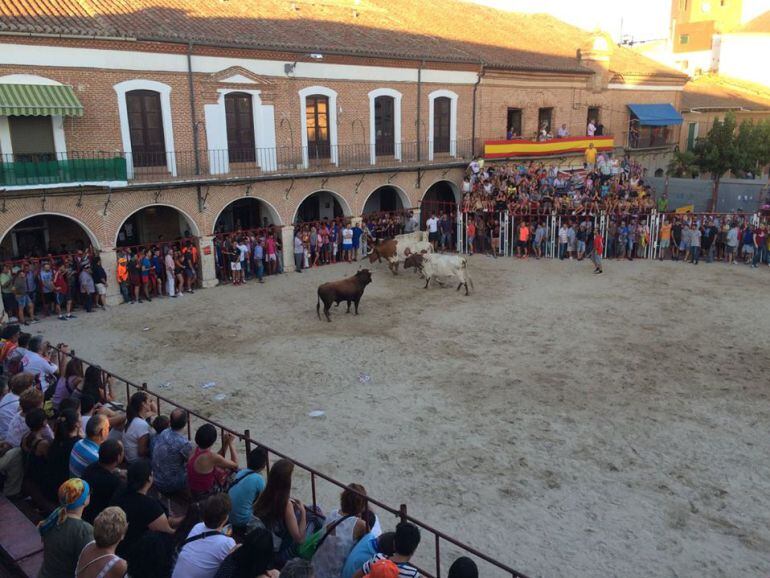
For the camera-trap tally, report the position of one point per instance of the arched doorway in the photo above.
(153, 224)
(42, 234)
(441, 197)
(246, 214)
(321, 205)
(385, 199)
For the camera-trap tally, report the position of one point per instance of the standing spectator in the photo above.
(591, 128)
(86, 451)
(61, 287)
(121, 275)
(136, 438)
(247, 485)
(104, 479)
(523, 240)
(539, 242)
(24, 303)
(445, 228)
(731, 244)
(344, 528)
(357, 234)
(708, 241)
(145, 268)
(6, 285)
(563, 241)
(168, 263)
(47, 286)
(270, 247)
(282, 515)
(252, 559)
(171, 450)
(64, 533)
(299, 252)
(748, 245)
(207, 471)
(432, 225)
(665, 239)
(100, 281)
(562, 131)
(590, 157)
(598, 245)
(258, 255)
(571, 241)
(98, 558)
(470, 232)
(760, 246)
(206, 546)
(695, 242)
(347, 243)
(87, 288)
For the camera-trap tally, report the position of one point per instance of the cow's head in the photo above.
(364, 276)
(413, 260)
(373, 254)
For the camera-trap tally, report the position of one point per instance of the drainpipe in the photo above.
(473, 120)
(419, 107)
(193, 114)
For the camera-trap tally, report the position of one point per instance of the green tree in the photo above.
(682, 164)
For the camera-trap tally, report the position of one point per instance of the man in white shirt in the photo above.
(591, 129)
(243, 252)
(562, 132)
(206, 546)
(9, 403)
(168, 260)
(432, 226)
(37, 363)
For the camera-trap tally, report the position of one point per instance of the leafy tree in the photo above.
(682, 164)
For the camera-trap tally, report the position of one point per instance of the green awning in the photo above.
(38, 100)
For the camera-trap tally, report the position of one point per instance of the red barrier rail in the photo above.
(401, 512)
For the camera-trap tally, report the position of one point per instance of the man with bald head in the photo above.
(170, 451)
(86, 451)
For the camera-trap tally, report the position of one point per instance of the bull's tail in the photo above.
(318, 306)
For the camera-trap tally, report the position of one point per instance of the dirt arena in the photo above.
(567, 424)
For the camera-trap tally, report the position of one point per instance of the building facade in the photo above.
(115, 132)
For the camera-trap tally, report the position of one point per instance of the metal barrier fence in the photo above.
(444, 545)
(503, 236)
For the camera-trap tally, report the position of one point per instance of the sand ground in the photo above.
(564, 423)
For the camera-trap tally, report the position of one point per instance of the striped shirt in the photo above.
(404, 570)
(84, 453)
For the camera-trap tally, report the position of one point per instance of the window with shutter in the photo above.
(239, 113)
(145, 123)
(442, 120)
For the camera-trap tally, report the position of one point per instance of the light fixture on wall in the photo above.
(316, 56)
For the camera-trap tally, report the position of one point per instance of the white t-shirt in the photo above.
(9, 407)
(202, 558)
(432, 225)
(38, 365)
(347, 236)
(243, 251)
(136, 430)
(591, 129)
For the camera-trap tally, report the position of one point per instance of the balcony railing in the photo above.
(44, 169)
(50, 169)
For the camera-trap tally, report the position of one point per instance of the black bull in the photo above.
(350, 290)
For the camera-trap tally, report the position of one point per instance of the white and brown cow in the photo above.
(436, 265)
(397, 250)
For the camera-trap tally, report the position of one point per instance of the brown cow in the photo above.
(350, 290)
(396, 250)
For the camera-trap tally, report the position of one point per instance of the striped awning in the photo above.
(38, 100)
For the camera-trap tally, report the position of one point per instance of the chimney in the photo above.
(596, 54)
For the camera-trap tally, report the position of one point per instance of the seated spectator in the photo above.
(64, 533)
(282, 515)
(37, 362)
(70, 383)
(297, 568)
(406, 540)
(86, 451)
(9, 403)
(207, 471)
(136, 438)
(245, 489)
(206, 546)
(366, 549)
(251, 559)
(344, 528)
(9, 341)
(66, 435)
(170, 451)
(159, 425)
(34, 448)
(30, 399)
(143, 512)
(97, 385)
(463, 567)
(103, 478)
(89, 408)
(98, 558)
(383, 569)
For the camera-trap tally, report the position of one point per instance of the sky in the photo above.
(639, 19)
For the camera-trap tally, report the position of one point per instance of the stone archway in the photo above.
(323, 204)
(44, 233)
(386, 198)
(441, 197)
(155, 223)
(244, 214)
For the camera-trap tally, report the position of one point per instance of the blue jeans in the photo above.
(695, 253)
(562, 250)
(260, 269)
(760, 256)
(124, 291)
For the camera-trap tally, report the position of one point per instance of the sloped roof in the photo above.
(760, 24)
(713, 91)
(434, 30)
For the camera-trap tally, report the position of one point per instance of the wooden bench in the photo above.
(20, 542)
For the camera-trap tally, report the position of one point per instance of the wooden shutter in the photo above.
(239, 113)
(145, 123)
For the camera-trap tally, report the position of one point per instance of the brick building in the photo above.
(183, 118)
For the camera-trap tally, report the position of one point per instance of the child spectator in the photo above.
(367, 548)
(406, 541)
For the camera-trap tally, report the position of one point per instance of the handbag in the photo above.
(312, 543)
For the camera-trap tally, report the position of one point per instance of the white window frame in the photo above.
(452, 96)
(397, 96)
(332, 96)
(165, 108)
(57, 121)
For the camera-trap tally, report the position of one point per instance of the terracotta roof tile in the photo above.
(712, 91)
(434, 30)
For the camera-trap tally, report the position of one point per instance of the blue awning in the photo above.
(656, 114)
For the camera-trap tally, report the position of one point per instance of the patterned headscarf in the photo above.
(72, 495)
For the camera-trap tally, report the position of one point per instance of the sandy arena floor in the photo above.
(567, 424)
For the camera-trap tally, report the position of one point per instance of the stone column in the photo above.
(110, 263)
(208, 262)
(287, 239)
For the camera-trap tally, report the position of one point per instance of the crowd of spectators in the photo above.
(157, 270)
(123, 491)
